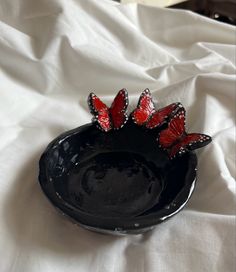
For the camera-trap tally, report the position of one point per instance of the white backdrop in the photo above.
(52, 54)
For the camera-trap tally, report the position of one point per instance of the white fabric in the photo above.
(52, 54)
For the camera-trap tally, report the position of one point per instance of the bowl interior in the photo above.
(114, 184)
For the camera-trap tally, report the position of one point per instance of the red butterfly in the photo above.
(145, 113)
(175, 139)
(109, 118)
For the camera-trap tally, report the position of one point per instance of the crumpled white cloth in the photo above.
(52, 54)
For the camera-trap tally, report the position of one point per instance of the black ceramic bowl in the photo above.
(116, 182)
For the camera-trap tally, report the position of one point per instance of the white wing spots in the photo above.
(180, 114)
(146, 92)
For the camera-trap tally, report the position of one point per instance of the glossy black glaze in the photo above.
(118, 181)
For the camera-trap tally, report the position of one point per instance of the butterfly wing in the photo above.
(100, 112)
(160, 117)
(144, 109)
(196, 140)
(174, 132)
(118, 109)
(189, 142)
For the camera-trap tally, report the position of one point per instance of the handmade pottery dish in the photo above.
(127, 176)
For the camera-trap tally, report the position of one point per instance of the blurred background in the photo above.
(224, 11)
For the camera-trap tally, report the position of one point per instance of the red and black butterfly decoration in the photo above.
(176, 140)
(146, 115)
(173, 138)
(114, 117)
